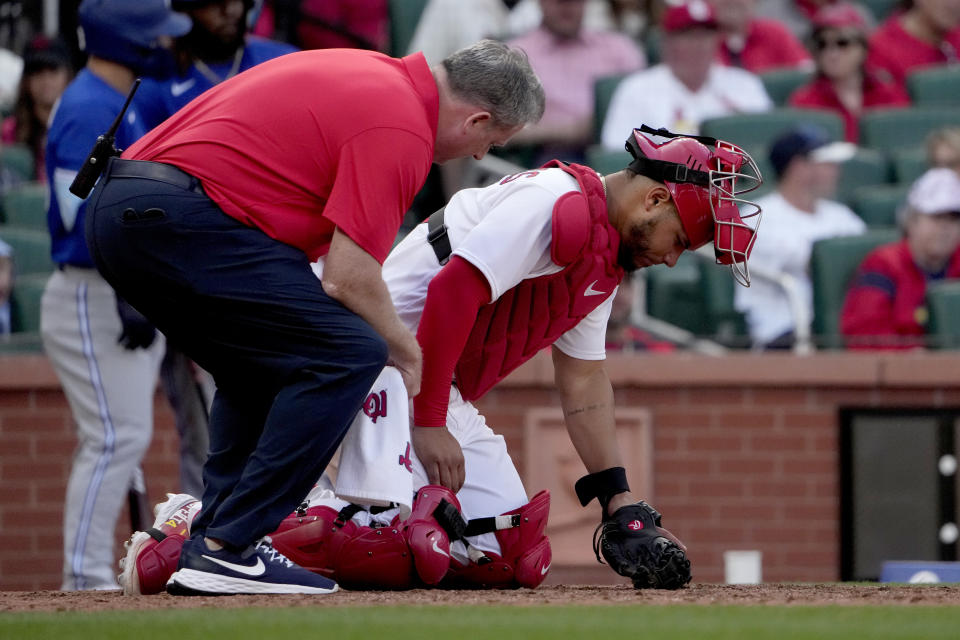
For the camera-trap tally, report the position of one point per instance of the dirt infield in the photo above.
(702, 594)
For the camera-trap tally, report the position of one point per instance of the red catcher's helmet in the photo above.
(706, 178)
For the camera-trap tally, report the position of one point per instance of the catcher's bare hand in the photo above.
(634, 545)
(441, 456)
(406, 356)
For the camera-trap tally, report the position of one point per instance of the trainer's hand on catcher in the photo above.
(441, 456)
(405, 355)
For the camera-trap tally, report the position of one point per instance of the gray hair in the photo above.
(498, 78)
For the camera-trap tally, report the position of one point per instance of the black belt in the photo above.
(120, 168)
(437, 236)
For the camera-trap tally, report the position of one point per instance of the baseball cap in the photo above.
(688, 15)
(44, 53)
(812, 141)
(936, 191)
(141, 21)
(839, 16)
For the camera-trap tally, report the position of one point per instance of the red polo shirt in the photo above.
(309, 142)
(820, 94)
(894, 51)
(768, 45)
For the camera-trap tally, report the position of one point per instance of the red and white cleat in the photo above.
(151, 556)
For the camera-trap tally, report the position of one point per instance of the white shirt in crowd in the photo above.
(656, 97)
(783, 245)
(505, 231)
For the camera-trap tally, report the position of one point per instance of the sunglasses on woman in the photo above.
(821, 43)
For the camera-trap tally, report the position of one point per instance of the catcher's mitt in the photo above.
(632, 546)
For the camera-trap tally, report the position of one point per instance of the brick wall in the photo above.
(744, 449)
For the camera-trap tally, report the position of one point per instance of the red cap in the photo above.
(839, 16)
(689, 15)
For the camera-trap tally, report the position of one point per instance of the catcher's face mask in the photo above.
(706, 178)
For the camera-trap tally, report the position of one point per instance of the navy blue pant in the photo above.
(292, 365)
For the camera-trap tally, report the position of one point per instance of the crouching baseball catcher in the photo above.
(498, 274)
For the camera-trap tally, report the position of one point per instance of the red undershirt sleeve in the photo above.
(454, 297)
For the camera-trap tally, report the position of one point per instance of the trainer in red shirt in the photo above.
(885, 307)
(842, 84)
(755, 44)
(925, 35)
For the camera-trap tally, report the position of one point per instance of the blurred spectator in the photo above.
(689, 87)
(842, 83)
(568, 59)
(928, 33)
(753, 43)
(943, 148)
(46, 72)
(6, 287)
(885, 307)
(11, 68)
(795, 216)
(354, 24)
(622, 334)
(216, 49)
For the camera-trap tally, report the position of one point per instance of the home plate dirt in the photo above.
(560, 595)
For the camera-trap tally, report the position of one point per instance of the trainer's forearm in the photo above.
(353, 277)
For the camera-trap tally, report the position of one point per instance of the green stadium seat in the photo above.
(725, 324)
(881, 9)
(606, 161)
(756, 131)
(890, 129)
(833, 261)
(404, 16)
(782, 82)
(603, 90)
(935, 87)
(26, 206)
(25, 302)
(31, 250)
(868, 167)
(877, 205)
(909, 164)
(943, 302)
(19, 160)
(674, 295)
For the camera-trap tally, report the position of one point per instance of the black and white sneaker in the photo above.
(258, 569)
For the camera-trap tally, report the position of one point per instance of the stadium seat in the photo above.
(833, 261)
(909, 164)
(877, 205)
(404, 16)
(782, 82)
(756, 131)
(18, 159)
(724, 323)
(31, 250)
(606, 161)
(890, 129)
(935, 87)
(674, 295)
(881, 9)
(943, 302)
(603, 90)
(25, 302)
(867, 167)
(26, 206)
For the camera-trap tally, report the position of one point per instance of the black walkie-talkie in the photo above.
(103, 150)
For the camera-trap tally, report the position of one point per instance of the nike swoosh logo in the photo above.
(543, 571)
(178, 88)
(439, 550)
(593, 292)
(256, 570)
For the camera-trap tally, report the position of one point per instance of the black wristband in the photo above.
(602, 485)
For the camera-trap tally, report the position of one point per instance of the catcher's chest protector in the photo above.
(533, 314)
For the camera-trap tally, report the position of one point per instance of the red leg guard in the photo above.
(356, 557)
(525, 553)
(157, 562)
(428, 540)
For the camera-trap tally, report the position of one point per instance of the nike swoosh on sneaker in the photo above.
(543, 571)
(439, 550)
(256, 570)
(178, 88)
(590, 291)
